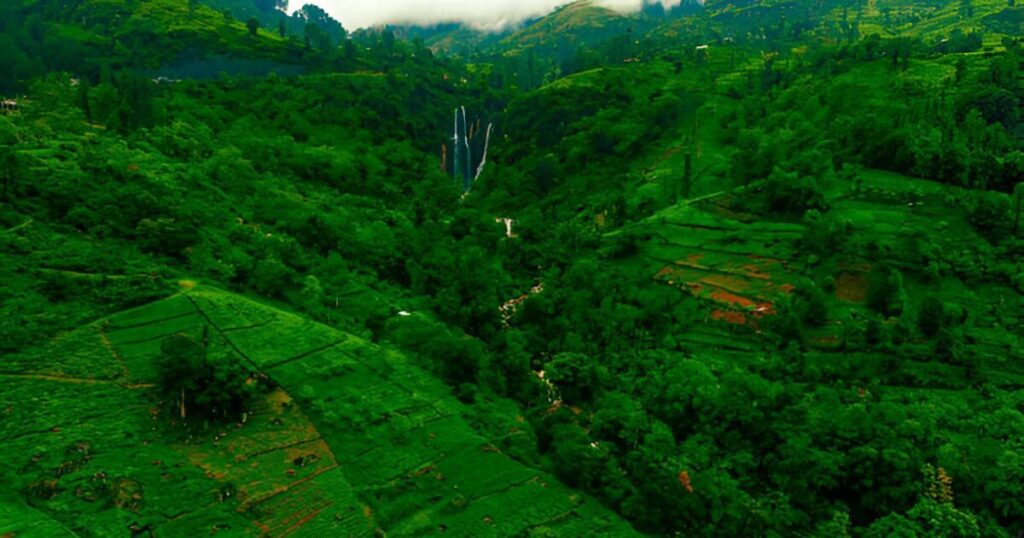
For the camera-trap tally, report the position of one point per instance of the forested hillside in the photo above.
(730, 269)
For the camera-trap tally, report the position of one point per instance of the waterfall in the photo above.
(456, 147)
(467, 180)
(462, 152)
(483, 159)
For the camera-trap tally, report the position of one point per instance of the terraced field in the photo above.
(712, 251)
(353, 440)
(743, 265)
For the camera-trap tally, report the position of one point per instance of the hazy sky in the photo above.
(484, 14)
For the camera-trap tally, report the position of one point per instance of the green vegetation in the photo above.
(746, 269)
(218, 385)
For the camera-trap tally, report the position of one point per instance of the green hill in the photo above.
(353, 439)
(578, 22)
(754, 269)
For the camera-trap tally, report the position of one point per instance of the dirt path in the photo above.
(117, 356)
(76, 380)
(20, 226)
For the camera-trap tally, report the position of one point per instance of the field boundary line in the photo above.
(284, 489)
(151, 338)
(69, 380)
(105, 340)
(265, 451)
(304, 354)
(247, 327)
(256, 367)
(113, 327)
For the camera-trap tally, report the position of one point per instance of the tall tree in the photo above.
(270, 5)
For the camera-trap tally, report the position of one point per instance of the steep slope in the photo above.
(369, 441)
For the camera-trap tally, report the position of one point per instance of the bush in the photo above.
(792, 194)
(214, 386)
(885, 293)
(989, 213)
(949, 347)
(810, 305)
(825, 234)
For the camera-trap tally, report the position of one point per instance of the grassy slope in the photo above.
(579, 22)
(368, 442)
(165, 28)
(727, 252)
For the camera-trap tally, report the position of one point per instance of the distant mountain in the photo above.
(578, 23)
(92, 37)
(582, 23)
(452, 38)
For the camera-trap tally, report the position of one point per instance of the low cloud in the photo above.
(481, 14)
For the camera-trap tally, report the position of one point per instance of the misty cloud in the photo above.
(481, 14)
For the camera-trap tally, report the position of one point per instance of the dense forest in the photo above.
(746, 268)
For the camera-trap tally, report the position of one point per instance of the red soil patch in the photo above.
(665, 155)
(851, 287)
(766, 259)
(741, 290)
(723, 296)
(684, 480)
(753, 271)
(665, 271)
(826, 341)
(693, 260)
(855, 267)
(758, 309)
(729, 316)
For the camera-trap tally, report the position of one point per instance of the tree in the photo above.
(930, 316)
(83, 99)
(575, 375)
(316, 38)
(966, 9)
(809, 304)
(1018, 195)
(8, 139)
(961, 70)
(216, 386)
(270, 5)
(253, 25)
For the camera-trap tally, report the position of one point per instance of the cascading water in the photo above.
(457, 151)
(462, 150)
(467, 181)
(483, 160)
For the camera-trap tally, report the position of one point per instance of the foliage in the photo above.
(211, 385)
(734, 269)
